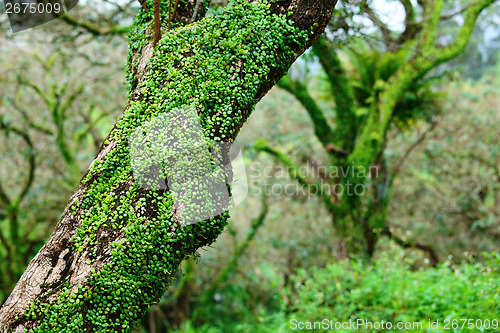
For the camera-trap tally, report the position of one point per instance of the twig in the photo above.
(156, 10)
(407, 245)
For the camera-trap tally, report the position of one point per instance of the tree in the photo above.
(385, 88)
(117, 245)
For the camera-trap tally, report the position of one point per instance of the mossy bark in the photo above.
(117, 246)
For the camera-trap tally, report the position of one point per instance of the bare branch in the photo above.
(414, 145)
(460, 11)
(386, 32)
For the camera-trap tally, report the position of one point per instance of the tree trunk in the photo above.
(118, 243)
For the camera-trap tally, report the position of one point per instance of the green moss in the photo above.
(217, 65)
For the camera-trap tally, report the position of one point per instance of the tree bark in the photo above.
(117, 245)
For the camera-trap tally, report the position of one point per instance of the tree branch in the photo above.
(322, 129)
(143, 4)
(295, 173)
(386, 33)
(239, 250)
(463, 37)
(414, 145)
(458, 12)
(31, 157)
(427, 57)
(94, 29)
(411, 26)
(341, 90)
(433, 258)
(196, 10)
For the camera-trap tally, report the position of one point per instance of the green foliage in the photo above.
(457, 163)
(381, 88)
(368, 69)
(249, 305)
(390, 291)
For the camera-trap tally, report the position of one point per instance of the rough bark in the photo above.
(117, 245)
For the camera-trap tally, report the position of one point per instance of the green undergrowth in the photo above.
(387, 290)
(217, 65)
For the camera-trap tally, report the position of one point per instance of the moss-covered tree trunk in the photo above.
(118, 244)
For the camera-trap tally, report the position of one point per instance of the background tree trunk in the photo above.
(117, 246)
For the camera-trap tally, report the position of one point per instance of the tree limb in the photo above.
(458, 12)
(411, 26)
(295, 173)
(386, 33)
(427, 57)
(414, 145)
(433, 258)
(93, 29)
(346, 120)
(239, 250)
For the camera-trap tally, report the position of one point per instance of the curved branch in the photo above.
(471, 14)
(295, 173)
(428, 57)
(94, 29)
(13, 204)
(411, 27)
(345, 111)
(414, 145)
(239, 250)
